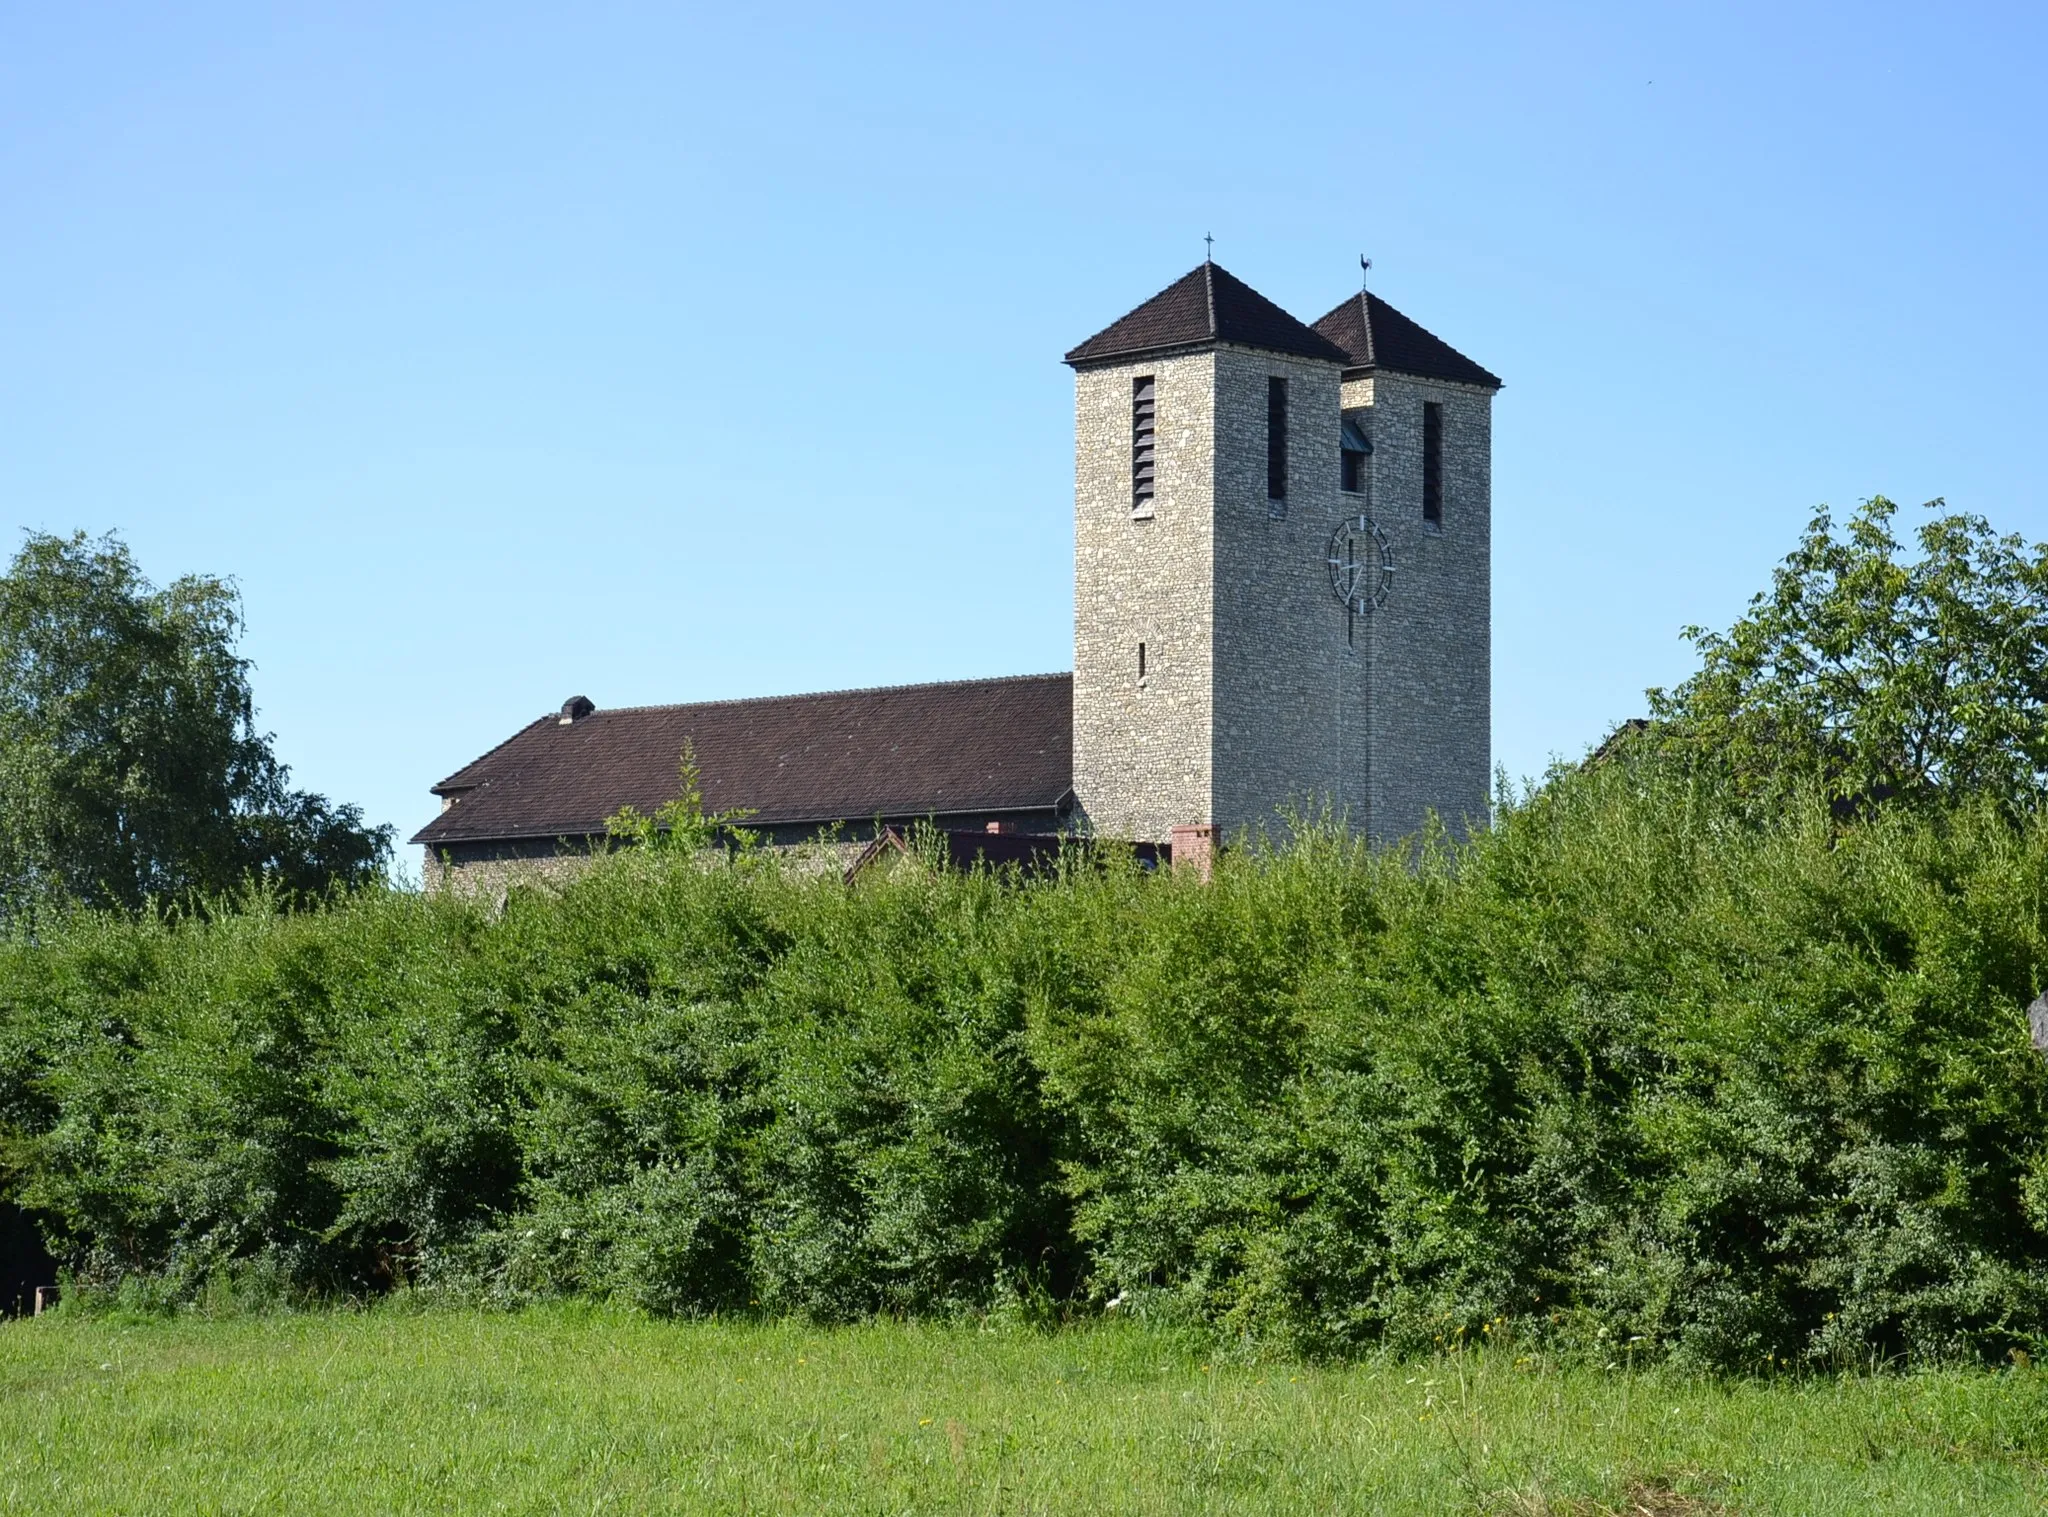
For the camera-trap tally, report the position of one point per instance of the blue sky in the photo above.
(657, 353)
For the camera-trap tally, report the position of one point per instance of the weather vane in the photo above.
(1364, 273)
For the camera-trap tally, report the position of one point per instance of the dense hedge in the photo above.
(1623, 1068)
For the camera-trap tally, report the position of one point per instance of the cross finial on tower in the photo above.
(1208, 248)
(1364, 273)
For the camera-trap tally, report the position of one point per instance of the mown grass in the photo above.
(581, 1410)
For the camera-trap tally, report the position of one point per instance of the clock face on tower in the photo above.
(1361, 565)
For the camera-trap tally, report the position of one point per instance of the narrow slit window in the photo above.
(1144, 442)
(1276, 439)
(1141, 661)
(1432, 462)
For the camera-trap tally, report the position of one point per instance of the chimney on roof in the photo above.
(575, 708)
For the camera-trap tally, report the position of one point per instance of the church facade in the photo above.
(1282, 596)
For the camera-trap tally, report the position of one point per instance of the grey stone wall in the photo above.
(1431, 645)
(1291, 685)
(1142, 747)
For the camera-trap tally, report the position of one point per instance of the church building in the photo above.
(1282, 580)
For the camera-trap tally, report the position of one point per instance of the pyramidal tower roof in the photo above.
(1207, 305)
(1374, 335)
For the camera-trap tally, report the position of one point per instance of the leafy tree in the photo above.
(130, 765)
(1879, 676)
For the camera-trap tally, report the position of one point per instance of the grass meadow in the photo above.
(583, 1409)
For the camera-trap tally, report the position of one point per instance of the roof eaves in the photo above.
(1143, 350)
(1336, 354)
(1367, 370)
(578, 830)
(827, 819)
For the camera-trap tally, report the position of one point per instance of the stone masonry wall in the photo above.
(1142, 747)
(1431, 644)
(1291, 678)
(481, 874)
(478, 871)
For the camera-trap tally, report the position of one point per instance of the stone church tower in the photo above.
(1282, 568)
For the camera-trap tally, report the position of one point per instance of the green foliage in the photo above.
(682, 824)
(1634, 1068)
(130, 765)
(1877, 677)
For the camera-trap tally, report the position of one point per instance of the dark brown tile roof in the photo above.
(1374, 335)
(1210, 304)
(845, 755)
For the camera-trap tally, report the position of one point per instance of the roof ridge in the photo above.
(1209, 290)
(805, 695)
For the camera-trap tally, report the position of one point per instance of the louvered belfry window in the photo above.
(1276, 439)
(1354, 449)
(1432, 462)
(1144, 439)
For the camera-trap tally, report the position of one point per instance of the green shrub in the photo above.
(1630, 1070)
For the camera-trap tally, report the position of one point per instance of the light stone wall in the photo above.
(444, 873)
(1142, 749)
(1430, 646)
(486, 876)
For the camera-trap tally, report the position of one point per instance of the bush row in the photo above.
(1623, 1069)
